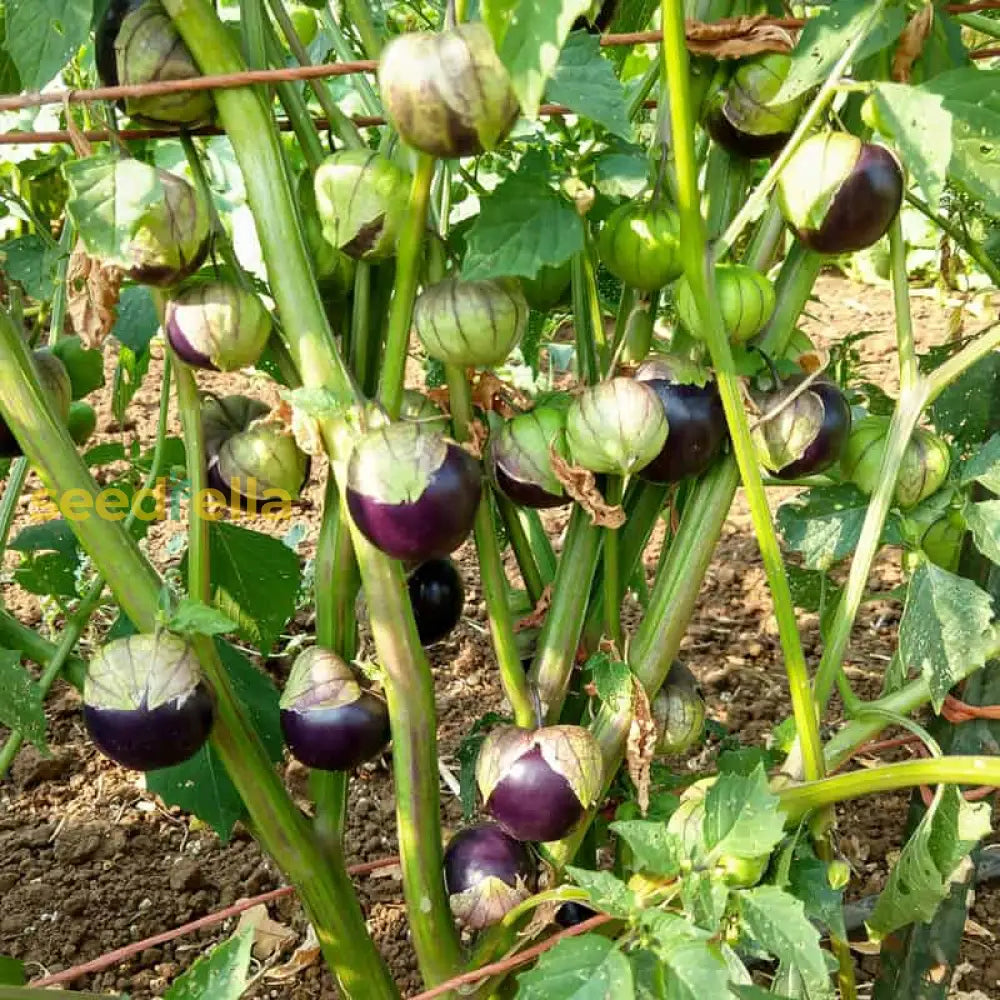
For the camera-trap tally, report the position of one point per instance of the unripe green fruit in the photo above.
(305, 24)
(639, 244)
(745, 297)
(82, 422)
(361, 199)
(923, 470)
(678, 711)
(447, 93)
(942, 541)
(334, 268)
(548, 287)
(618, 426)
(471, 322)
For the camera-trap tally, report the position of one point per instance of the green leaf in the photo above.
(534, 35)
(21, 704)
(586, 83)
(129, 373)
(468, 753)
(656, 851)
(201, 785)
(696, 971)
(810, 883)
(255, 580)
(522, 226)
(85, 367)
(824, 524)
(922, 876)
(222, 974)
(193, 617)
(588, 967)
(945, 627)
(108, 200)
(756, 993)
(49, 536)
(965, 409)
(742, 816)
(47, 574)
(12, 971)
(778, 923)
(921, 125)
(972, 97)
(827, 35)
(611, 677)
(622, 172)
(137, 321)
(31, 261)
(704, 897)
(105, 454)
(983, 520)
(984, 466)
(608, 894)
(42, 36)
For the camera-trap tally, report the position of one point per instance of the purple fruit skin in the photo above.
(437, 596)
(532, 802)
(432, 526)
(527, 494)
(237, 501)
(337, 739)
(740, 143)
(165, 277)
(832, 436)
(863, 208)
(697, 430)
(147, 740)
(478, 852)
(184, 349)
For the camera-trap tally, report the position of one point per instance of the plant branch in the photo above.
(908, 372)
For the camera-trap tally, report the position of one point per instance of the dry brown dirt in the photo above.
(89, 861)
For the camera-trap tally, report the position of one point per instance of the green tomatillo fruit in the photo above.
(447, 93)
(81, 422)
(639, 244)
(745, 297)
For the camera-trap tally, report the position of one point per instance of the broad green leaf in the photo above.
(812, 590)
(588, 967)
(10, 82)
(611, 677)
(49, 536)
(944, 629)
(824, 524)
(757, 993)
(696, 971)
(21, 705)
(742, 818)
(137, 321)
(193, 617)
(972, 97)
(778, 923)
(534, 36)
(85, 367)
(984, 466)
(810, 883)
(826, 36)
(522, 226)
(983, 520)
(649, 975)
(47, 574)
(201, 785)
(921, 125)
(255, 580)
(655, 850)
(42, 35)
(468, 754)
(12, 971)
(105, 454)
(31, 261)
(922, 875)
(586, 83)
(704, 897)
(608, 893)
(108, 199)
(622, 172)
(964, 410)
(222, 974)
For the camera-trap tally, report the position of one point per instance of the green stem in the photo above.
(14, 635)
(11, 495)
(980, 23)
(755, 203)
(407, 276)
(541, 544)
(583, 326)
(560, 635)
(709, 311)
(344, 128)
(908, 372)
(612, 569)
(799, 800)
(345, 53)
(491, 572)
(360, 16)
(360, 355)
(973, 249)
(520, 543)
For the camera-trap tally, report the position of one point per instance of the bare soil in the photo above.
(90, 861)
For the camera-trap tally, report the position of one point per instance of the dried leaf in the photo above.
(269, 937)
(537, 617)
(911, 43)
(92, 296)
(543, 916)
(737, 37)
(491, 393)
(641, 745)
(307, 433)
(440, 397)
(582, 487)
(474, 446)
(305, 955)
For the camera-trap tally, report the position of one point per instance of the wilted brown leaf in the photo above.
(269, 937)
(537, 617)
(92, 296)
(737, 37)
(911, 43)
(582, 487)
(641, 744)
(305, 955)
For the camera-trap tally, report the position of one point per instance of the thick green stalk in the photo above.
(521, 544)
(586, 337)
(14, 635)
(541, 544)
(344, 128)
(560, 635)
(360, 16)
(345, 53)
(16, 478)
(491, 572)
(908, 372)
(612, 570)
(360, 356)
(407, 276)
(693, 251)
(755, 203)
